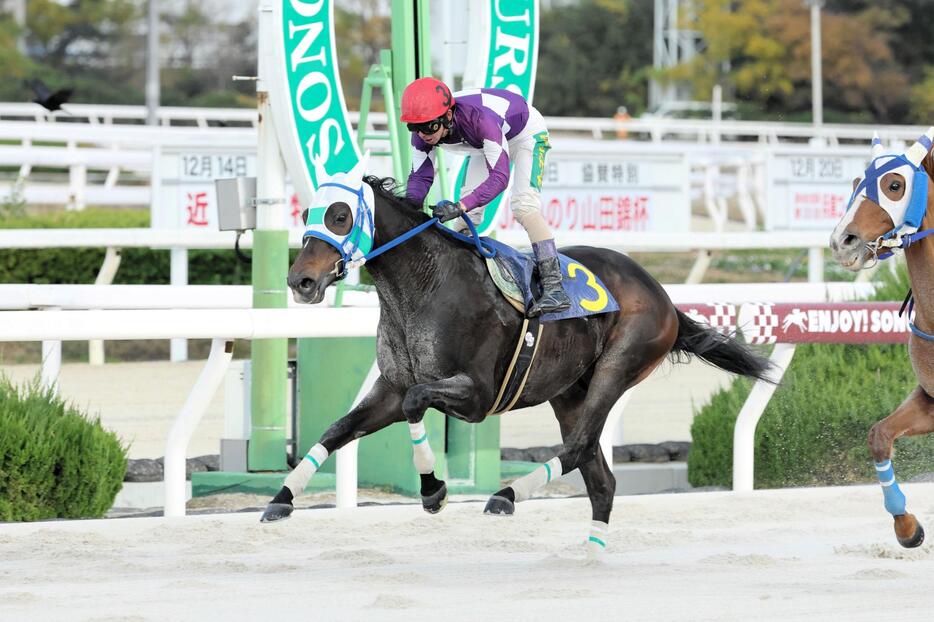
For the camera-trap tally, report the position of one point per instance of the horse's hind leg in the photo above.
(913, 416)
(598, 478)
(381, 406)
(582, 411)
(581, 423)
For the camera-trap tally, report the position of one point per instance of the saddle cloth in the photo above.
(512, 271)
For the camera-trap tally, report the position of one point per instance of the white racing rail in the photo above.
(304, 322)
(200, 324)
(628, 242)
(657, 129)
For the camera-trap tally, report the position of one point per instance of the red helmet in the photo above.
(425, 99)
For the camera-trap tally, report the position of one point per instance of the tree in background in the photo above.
(201, 54)
(85, 44)
(362, 29)
(12, 64)
(760, 50)
(594, 57)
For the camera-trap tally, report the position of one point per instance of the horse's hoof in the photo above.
(595, 550)
(500, 506)
(276, 511)
(436, 502)
(916, 535)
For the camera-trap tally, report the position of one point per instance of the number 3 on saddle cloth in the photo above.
(512, 272)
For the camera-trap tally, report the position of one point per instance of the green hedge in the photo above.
(138, 265)
(54, 462)
(813, 431)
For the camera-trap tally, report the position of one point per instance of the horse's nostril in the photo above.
(306, 284)
(850, 240)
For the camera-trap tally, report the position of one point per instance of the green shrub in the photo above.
(54, 462)
(813, 432)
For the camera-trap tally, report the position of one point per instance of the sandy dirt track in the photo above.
(797, 554)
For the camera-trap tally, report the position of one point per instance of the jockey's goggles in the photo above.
(428, 127)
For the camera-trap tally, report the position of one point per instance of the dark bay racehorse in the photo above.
(446, 338)
(888, 207)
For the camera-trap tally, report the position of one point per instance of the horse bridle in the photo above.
(346, 262)
(363, 213)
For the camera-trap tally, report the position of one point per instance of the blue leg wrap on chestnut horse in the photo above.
(894, 498)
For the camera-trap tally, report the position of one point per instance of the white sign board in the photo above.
(809, 188)
(184, 196)
(590, 191)
(184, 189)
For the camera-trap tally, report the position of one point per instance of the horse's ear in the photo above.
(357, 173)
(856, 181)
(321, 174)
(877, 149)
(305, 216)
(921, 148)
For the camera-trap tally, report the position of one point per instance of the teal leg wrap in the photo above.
(894, 498)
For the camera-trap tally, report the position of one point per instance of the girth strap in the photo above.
(519, 367)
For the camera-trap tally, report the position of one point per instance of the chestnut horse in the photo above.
(887, 209)
(447, 335)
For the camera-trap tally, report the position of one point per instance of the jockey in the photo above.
(492, 127)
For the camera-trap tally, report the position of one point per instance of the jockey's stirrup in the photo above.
(553, 298)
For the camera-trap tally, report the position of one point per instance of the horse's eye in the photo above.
(342, 218)
(895, 186)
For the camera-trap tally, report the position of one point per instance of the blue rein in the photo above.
(485, 249)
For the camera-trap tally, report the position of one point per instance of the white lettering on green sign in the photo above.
(512, 46)
(512, 53)
(318, 109)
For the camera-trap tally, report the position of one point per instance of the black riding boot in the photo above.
(553, 298)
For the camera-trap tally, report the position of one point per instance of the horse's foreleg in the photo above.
(381, 406)
(913, 416)
(456, 394)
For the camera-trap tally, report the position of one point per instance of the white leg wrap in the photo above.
(527, 484)
(596, 542)
(422, 455)
(301, 475)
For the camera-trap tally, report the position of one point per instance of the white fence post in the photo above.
(104, 277)
(612, 428)
(51, 367)
(178, 275)
(744, 434)
(346, 488)
(816, 265)
(176, 444)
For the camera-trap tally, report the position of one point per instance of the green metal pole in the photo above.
(267, 447)
(411, 57)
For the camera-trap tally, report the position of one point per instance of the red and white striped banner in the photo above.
(841, 322)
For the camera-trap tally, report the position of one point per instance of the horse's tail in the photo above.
(718, 349)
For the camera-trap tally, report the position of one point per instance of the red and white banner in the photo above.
(845, 322)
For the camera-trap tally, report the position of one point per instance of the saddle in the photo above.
(515, 276)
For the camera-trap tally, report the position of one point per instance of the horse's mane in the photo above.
(391, 191)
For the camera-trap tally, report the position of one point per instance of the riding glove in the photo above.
(447, 210)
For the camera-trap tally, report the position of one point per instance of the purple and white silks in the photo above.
(486, 123)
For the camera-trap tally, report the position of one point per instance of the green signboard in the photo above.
(309, 111)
